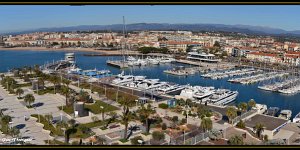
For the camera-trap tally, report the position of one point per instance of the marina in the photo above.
(246, 92)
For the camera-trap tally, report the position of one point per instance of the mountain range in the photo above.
(247, 29)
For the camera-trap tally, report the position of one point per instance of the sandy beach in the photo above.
(113, 52)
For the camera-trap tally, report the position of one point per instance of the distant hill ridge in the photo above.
(247, 29)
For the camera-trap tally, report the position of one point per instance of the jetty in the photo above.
(182, 71)
(117, 63)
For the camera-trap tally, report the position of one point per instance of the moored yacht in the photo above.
(285, 114)
(296, 119)
(222, 97)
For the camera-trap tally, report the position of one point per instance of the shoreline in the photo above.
(64, 49)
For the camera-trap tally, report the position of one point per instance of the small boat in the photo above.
(285, 114)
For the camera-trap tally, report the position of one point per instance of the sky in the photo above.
(25, 17)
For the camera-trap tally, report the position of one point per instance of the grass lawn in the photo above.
(67, 109)
(46, 90)
(124, 140)
(94, 124)
(55, 142)
(4, 128)
(95, 108)
(48, 126)
(22, 85)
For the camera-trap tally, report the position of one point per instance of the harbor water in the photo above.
(15, 59)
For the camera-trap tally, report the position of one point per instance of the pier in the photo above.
(181, 71)
(211, 66)
(118, 64)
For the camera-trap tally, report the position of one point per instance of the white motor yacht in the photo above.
(296, 119)
(222, 97)
(285, 114)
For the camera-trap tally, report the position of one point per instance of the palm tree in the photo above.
(19, 91)
(206, 124)
(41, 81)
(55, 81)
(259, 128)
(49, 118)
(66, 82)
(145, 113)
(66, 92)
(231, 113)
(29, 98)
(5, 120)
(126, 118)
(243, 107)
(14, 132)
(113, 116)
(251, 103)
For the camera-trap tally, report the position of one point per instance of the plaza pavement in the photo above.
(31, 128)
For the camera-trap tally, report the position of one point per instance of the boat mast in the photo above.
(124, 44)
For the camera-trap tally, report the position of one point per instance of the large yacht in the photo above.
(202, 57)
(170, 88)
(221, 97)
(121, 78)
(203, 92)
(150, 84)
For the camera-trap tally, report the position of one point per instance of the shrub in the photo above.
(183, 121)
(134, 141)
(163, 106)
(158, 136)
(164, 126)
(241, 124)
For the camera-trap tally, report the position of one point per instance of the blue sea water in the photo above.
(14, 59)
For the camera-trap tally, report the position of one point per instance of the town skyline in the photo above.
(35, 17)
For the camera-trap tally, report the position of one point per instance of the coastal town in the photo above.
(75, 76)
(59, 103)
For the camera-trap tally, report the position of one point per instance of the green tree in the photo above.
(259, 128)
(145, 114)
(126, 116)
(206, 124)
(251, 103)
(217, 44)
(158, 136)
(134, 141)
(164, 126)
(112, 117)
(231, 113)
(236, 140)
(14, 132)
(5, 121)
(49, 118)
(243, 107)
(66, 91)
(55, 81)
(19, 91)
(241, 124)
(29, 99)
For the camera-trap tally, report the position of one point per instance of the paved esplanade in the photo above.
(31, 128)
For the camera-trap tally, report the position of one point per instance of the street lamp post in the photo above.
(61, 116)
(102, 110)
(136, 102)
(38, 114)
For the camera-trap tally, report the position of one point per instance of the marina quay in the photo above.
(78, 79)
